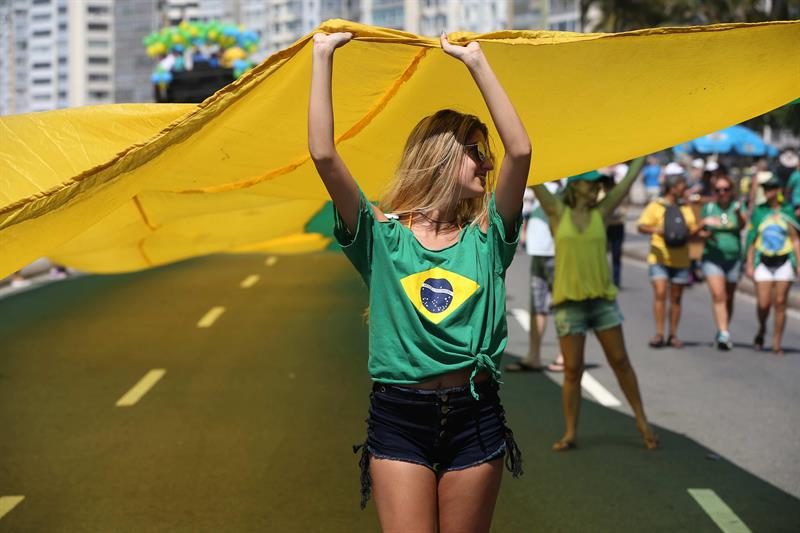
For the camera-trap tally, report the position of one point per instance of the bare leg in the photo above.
(613, 343)
(781, 295)
(467, 498)
(541, 320)
(730, 290)
(659, 304)
(535, 333)
(719, 301)
(405, 496)
(676, 293)
(763, 292)
(572, 349)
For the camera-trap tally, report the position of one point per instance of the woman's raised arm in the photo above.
(618, 193)
(331, 168)
(516, 163)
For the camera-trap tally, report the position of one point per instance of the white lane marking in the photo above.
(523, 317)
(209, 318)
(600, 393)
(9, 502)
(271, 260)
(141, 388)
(588, 382)
(249, 281)
(720, 513)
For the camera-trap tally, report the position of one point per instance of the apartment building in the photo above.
(58, 53)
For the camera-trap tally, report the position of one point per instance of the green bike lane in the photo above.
(251, 426)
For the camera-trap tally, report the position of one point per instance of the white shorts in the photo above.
(785, 272)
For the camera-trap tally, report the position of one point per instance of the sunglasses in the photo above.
(723, 189)
(477, 151)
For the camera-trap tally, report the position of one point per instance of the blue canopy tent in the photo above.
(736, 139)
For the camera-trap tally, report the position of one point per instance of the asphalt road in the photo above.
(248, 423)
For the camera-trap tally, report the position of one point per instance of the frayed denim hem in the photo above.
(363, 463)
(492, 456)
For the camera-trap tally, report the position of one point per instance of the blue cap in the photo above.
(592, 175)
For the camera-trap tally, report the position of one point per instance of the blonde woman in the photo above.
(435, 267)
(584, 298)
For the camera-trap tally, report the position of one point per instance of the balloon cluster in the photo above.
(215, 42)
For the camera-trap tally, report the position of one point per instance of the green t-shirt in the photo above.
(768, 232)
(725, 243)
(431, 312)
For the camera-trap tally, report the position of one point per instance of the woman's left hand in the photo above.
(463, 53)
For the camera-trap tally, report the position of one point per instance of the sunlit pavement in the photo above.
(187, 398)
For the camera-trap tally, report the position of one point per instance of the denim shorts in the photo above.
(442, 429)
(675, 275)
(730, 269)
(597, 314)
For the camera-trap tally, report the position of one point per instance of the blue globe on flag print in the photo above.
(436, 294)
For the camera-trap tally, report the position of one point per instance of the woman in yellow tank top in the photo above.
(584, 298)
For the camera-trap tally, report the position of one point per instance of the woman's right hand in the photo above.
(331, 41)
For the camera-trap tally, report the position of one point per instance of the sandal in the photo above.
(657, 342)
(521, 366)
(557, 365)
(564, 445)
(674, 342)
(758, 342)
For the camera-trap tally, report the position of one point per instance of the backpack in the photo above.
(676, 233)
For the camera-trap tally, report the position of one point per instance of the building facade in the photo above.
(57, 53)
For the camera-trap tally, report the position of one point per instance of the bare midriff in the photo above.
(449, 380)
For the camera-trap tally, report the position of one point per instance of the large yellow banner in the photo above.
(129, 186)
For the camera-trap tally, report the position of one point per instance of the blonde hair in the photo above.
(427, 175)
(569, 196)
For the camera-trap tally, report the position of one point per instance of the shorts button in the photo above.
(383, 389)
(443, 397)
(445, 409)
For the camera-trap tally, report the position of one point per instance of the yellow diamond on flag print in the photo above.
(437, 293)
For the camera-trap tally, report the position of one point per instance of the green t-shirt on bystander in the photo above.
(725, 242)
(431, 311)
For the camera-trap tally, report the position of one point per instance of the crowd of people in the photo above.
(705, 222)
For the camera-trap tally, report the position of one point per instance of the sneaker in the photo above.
(724, 341)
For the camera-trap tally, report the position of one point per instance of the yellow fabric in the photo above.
(125, 187)
(678, 257)
(581, 262)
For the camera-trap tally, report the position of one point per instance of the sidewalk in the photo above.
(636, 247)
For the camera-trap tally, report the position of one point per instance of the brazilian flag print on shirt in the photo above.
(431, 311)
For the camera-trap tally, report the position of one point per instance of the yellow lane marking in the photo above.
(208, 320)
(718, 510)
(271, 260)
(141, 388)
(8, 502)
(249, 281)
